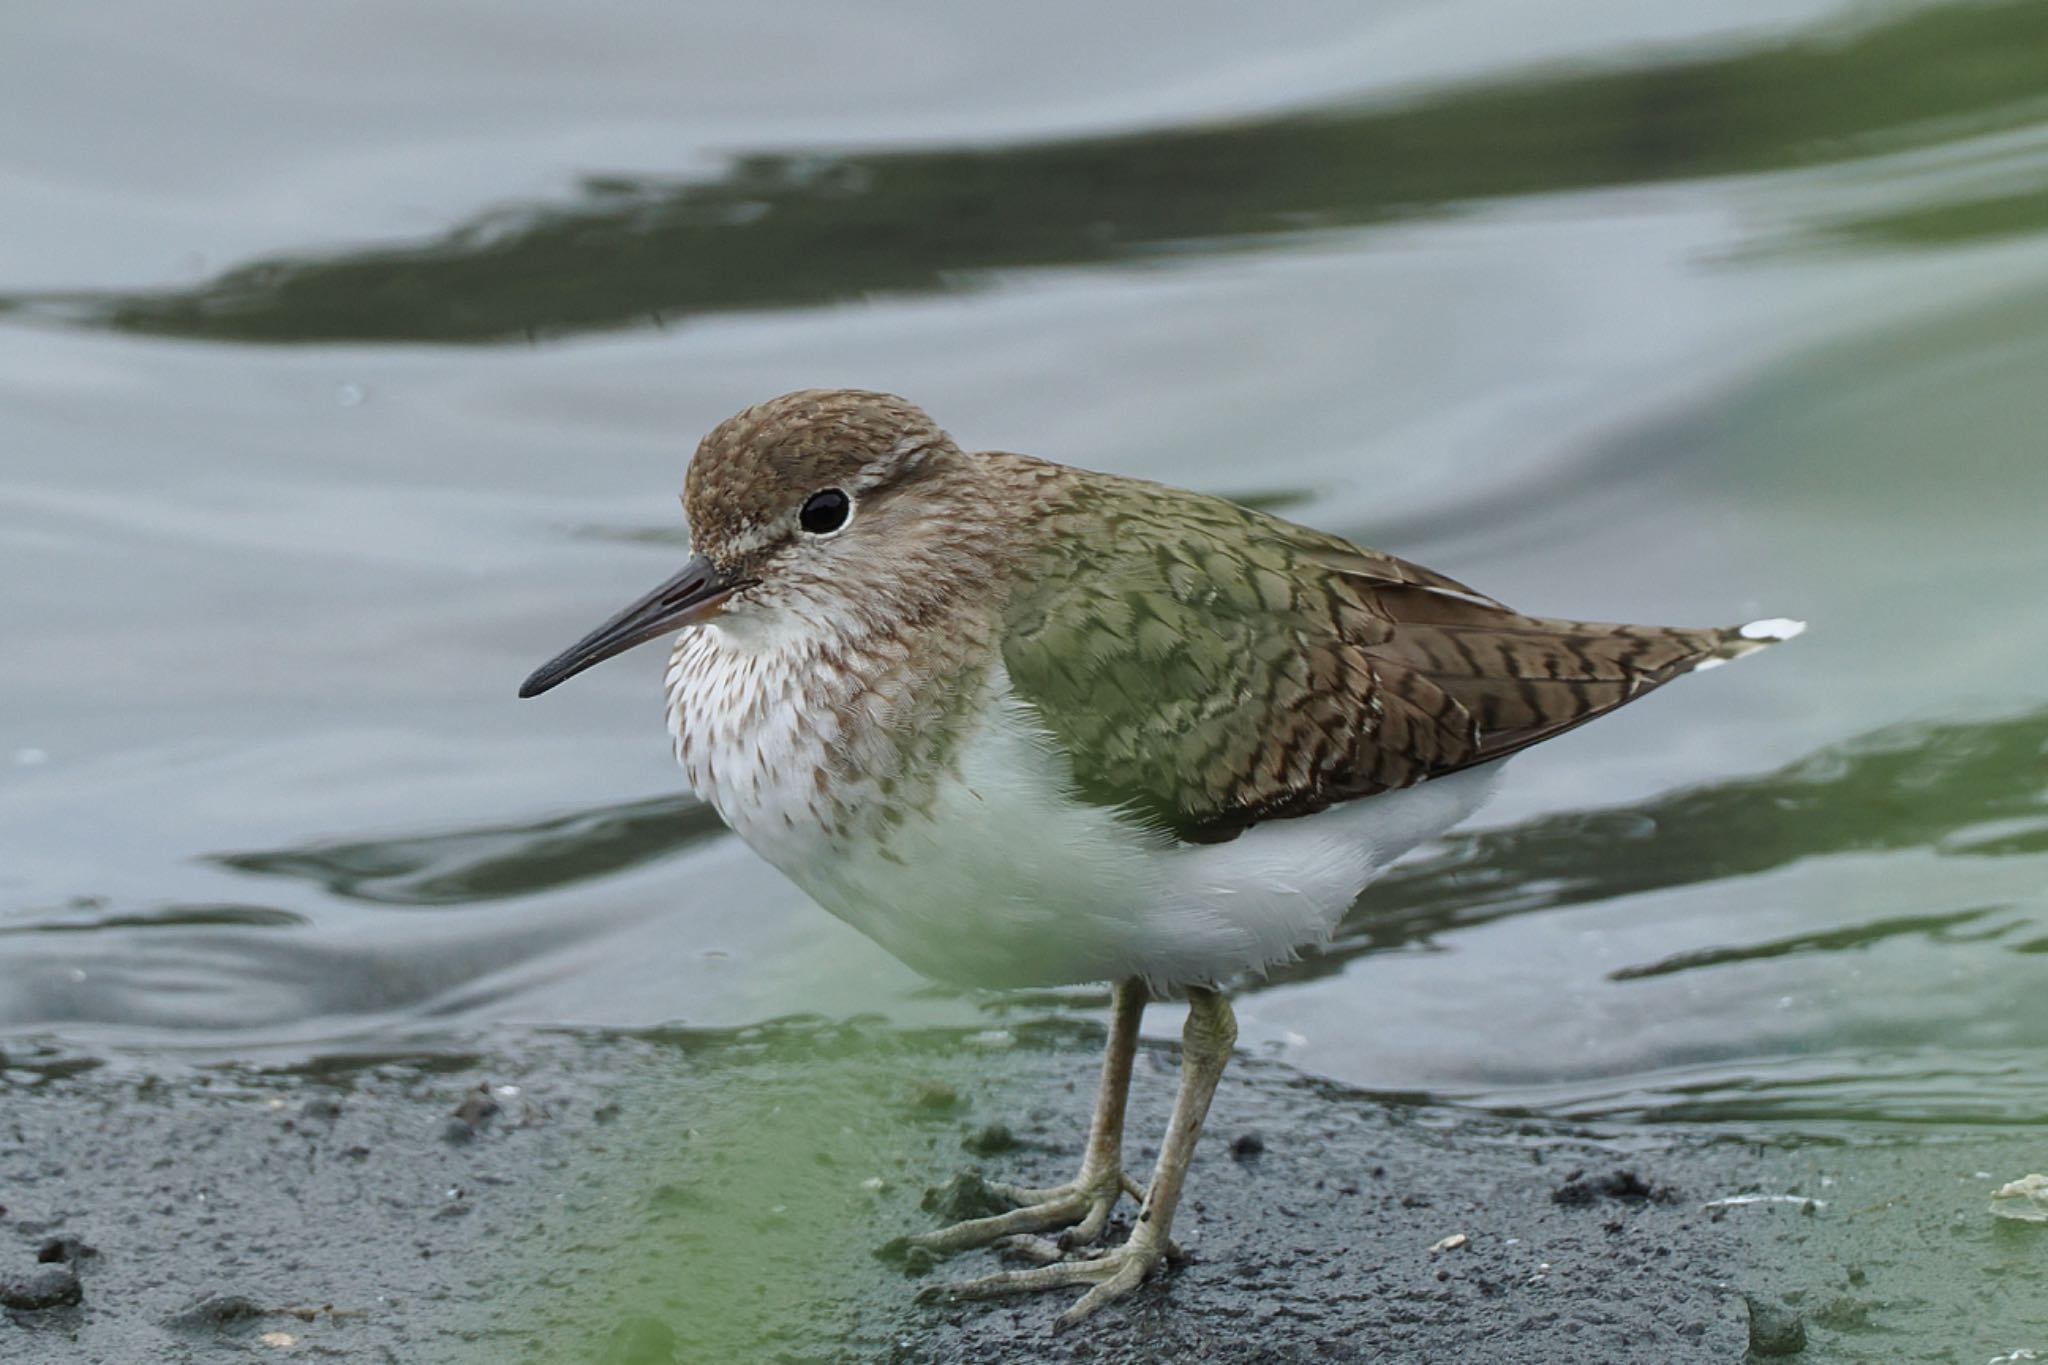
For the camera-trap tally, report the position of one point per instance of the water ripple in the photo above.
(491, 862)
(820, 226)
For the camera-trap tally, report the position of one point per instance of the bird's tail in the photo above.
(1736, 641)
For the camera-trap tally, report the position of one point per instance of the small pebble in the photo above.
(914, 1259)
(1774, 1328)
(47, 1286)
(2024, 1200)
(218, 1312)
(1247, 1145)
(965, 1196)
(1624, 1185)
(477, 1107)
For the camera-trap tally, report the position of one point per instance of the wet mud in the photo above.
(675, 1196)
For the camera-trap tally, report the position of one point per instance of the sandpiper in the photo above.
(1025, 724)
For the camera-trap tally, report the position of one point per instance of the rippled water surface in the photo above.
(349, 361)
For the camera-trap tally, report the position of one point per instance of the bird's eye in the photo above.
(825, 512)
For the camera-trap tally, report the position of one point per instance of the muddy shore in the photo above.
(677, 1196)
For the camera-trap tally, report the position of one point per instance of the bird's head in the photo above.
(813, 510)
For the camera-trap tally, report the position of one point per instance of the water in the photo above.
(349, 361)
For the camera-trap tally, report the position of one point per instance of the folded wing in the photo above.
(1207, 666)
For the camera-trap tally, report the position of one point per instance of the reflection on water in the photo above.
(1836, 1097)
(1957, 221)
(213, 985)
(803, 229)
(466, 866)
(1936, 929)
(170, 917)
(1904, 787)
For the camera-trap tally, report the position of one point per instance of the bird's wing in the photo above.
(1206, 666)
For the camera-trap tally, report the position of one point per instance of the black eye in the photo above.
(825, 512)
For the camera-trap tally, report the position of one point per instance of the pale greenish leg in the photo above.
(1205, 1050)
(1083, 1204)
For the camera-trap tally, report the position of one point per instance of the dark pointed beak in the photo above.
(692, 596)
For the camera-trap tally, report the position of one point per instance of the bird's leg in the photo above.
(1082, 1205)
(1205, 1050)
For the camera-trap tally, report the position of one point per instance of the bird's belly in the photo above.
(1002, 878)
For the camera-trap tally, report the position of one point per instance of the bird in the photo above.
(1025, 724)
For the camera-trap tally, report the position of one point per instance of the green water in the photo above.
(349, 363)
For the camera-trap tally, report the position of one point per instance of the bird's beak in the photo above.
(692, 596)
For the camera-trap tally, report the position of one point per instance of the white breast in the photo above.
(1003, 878)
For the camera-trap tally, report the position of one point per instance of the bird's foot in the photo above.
(1109, 1274)
(1081, 1207)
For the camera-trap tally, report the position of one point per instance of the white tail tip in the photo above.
(1771, 631)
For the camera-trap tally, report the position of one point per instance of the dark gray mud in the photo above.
(697, 1197)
